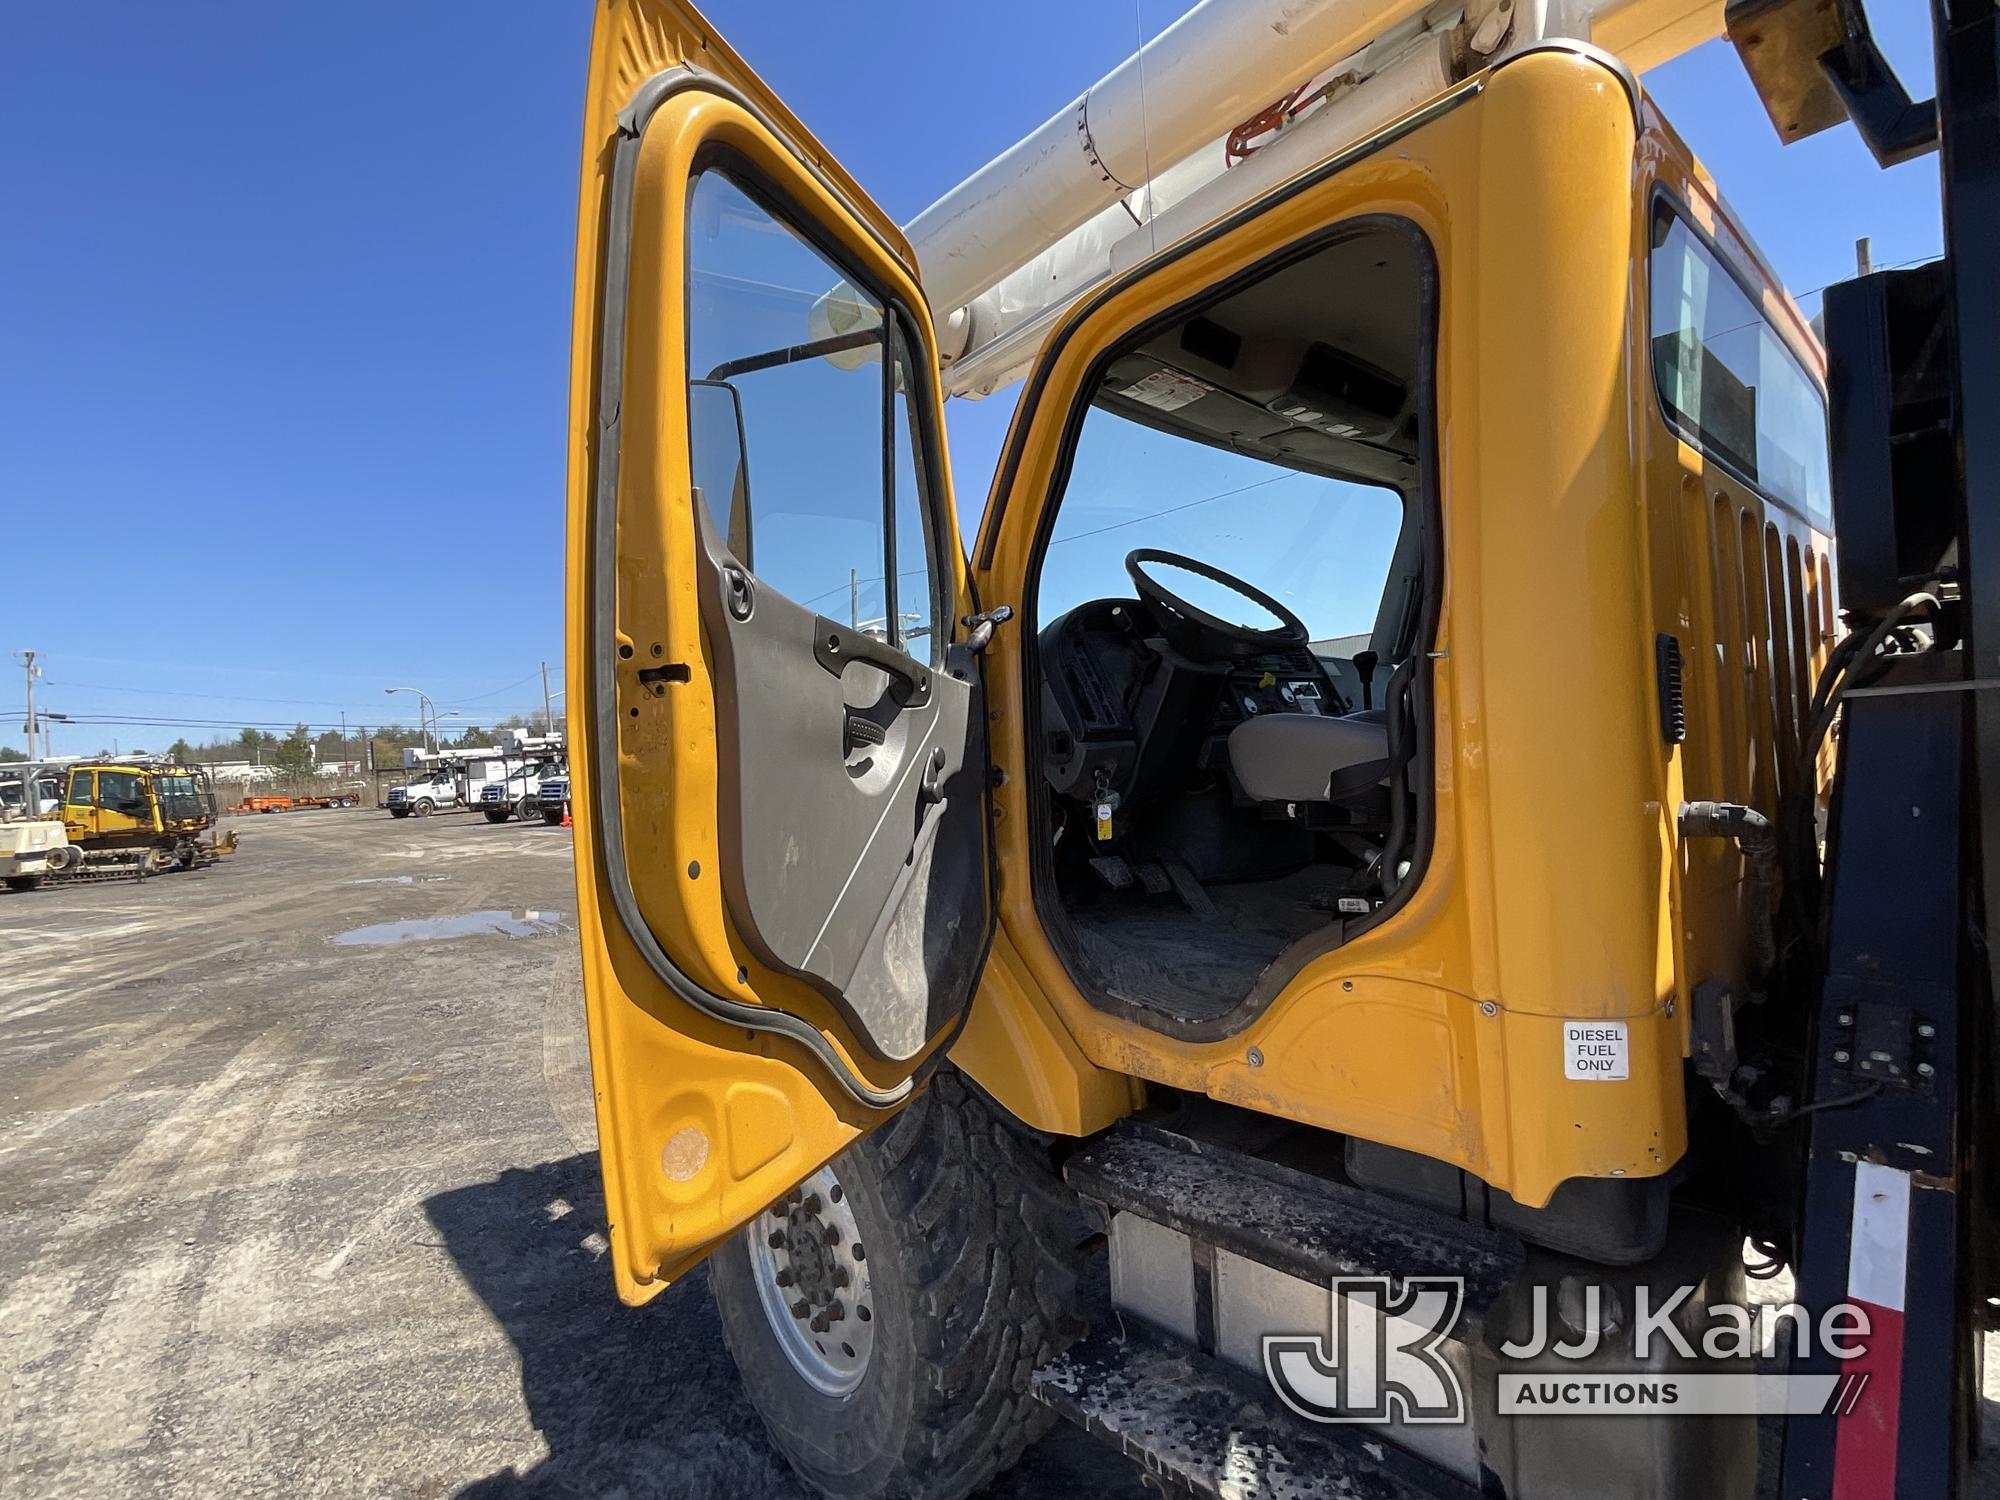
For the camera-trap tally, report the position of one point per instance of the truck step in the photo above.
(1213, 1251)
(1200, 1426)
(1304, 1226)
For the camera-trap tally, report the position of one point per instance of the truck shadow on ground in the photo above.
(644, 1402)
(639, 1402)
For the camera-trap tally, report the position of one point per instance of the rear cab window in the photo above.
(1728, 383)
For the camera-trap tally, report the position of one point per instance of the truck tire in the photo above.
(23, 882)
(425, 807)
(399, 812)
(959, 1246)
(496, 814)
(552, 815)
(526, 808)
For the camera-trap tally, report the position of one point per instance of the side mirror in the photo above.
(718, 454)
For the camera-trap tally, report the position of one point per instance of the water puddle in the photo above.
(513, 924)
(397, 880)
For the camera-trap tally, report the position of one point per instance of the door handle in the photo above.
(931, 803)
(834, 646)
(931, 788)
(858, 730)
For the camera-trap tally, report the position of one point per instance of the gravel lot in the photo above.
(290, 1207)
(283, 1214)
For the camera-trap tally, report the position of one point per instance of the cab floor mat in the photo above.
(1163, 958)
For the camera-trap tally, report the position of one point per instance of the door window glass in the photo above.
(797, 440)
(79, 788)
(121, 792)
(1728, 381)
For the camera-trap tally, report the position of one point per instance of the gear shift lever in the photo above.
(1364, 664)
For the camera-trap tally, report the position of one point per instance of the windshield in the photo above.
(1321, 547)
(177, 797)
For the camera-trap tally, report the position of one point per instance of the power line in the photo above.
(106, 687)
(232, 669)
(1255, 484)
(480, 698)
(1150, 515)
(142, 721)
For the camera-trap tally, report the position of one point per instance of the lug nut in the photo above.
(812, 1204)
(784, 1276)
(841, 1276)
(830, 1237)
(801, 1307)
(777, 1239)
(835, 1311)
(819, 1324)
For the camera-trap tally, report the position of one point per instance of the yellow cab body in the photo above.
(110, 806)
(822, 805)
(117, 805)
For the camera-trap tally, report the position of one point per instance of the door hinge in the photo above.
(983, 624)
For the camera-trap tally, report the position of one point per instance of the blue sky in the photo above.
(284, 313)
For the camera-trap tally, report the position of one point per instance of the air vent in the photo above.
(1673, 700)
(1342, 396)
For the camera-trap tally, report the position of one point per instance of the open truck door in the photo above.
(780, 777)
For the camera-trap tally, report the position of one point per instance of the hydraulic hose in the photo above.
(1847, 665)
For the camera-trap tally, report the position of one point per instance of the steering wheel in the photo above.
(1194, 629)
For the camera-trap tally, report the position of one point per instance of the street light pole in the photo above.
(423, 704)
(29, 728)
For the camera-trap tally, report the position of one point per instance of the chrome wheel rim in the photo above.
(811, 1269)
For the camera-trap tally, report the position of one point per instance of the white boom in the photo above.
(1138, 162)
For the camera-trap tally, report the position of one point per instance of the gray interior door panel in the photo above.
(851, 807)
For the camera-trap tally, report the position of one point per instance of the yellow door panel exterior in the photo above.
(702, 1121)
(125, 809)
(79, 813)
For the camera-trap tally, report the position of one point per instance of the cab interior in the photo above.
(1232, 598)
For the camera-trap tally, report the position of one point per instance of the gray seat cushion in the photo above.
(1307, 758)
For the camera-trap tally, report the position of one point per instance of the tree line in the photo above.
(300, 751)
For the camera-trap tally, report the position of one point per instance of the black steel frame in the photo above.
(1901, 1077)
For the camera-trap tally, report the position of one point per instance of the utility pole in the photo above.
(28, 662)
(1864, 256)
(548, 708)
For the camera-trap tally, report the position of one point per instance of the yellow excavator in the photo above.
(1402, 838)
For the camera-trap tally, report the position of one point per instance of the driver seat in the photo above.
(1310, 758)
